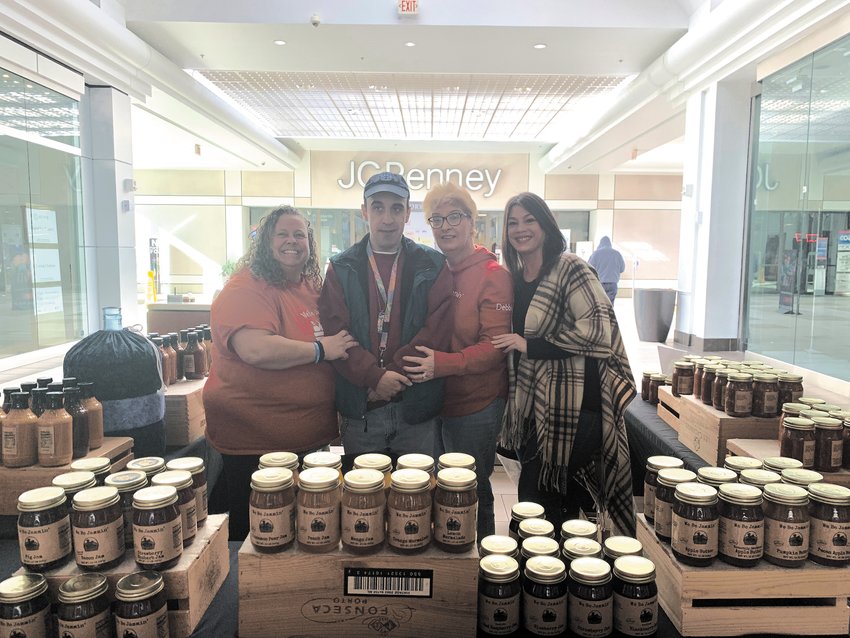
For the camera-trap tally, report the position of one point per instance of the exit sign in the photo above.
(408, 7)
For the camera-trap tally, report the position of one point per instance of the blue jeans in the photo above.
(476, 434)
(384, 430)
(610, 288)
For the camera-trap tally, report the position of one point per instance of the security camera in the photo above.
(315, 20)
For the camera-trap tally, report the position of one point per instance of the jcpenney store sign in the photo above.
(474, 179)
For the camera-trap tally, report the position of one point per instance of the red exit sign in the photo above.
(408, 7)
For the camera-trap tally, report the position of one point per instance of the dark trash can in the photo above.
(654, 313)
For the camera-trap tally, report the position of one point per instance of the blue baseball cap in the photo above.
(386, 183)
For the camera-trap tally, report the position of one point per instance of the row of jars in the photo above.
(816, 433)
(49, 423)
(186, 354)
(140, 607)
(153, 508)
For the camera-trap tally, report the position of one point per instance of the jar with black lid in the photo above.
(829, 444)
(409, 508)
(699, 366)
(84, 608)
(578, 528)
(798, 440)
(740, 463)
(741, 530)
(97, 525)
(127, 483)
(650, 481)
(157, 528)
(271, 510)
(635, 597)
(364, 506)
(521, 511)
(73, 482)
(668, 479)
(44, 528)
(537, 546)
(801, 478)
(150, 465)
(544, 596)
(380, 462)
(695, 524)
(683, 378)
(615, 546)
(141, 608)
(181, 480)
(580, 548)
(24, 607)
(644, 384)
(195, 466)
(100, 466)
(790, 388)
(765, 395)
(498, 544)
(739, 394)
(655, 382)
(779, 463)
(456, 510)
(786, 525)
(499, 593)
(709, 375)
(318, 512)
(758, 478)
(718, 388)
(716, 476)
(591, 605)
(829, 513)
(536, 527)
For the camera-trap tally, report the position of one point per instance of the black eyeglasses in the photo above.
(453, 218)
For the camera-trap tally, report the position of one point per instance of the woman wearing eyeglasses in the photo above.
(476, 389)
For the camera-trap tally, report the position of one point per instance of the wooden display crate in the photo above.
(705, 430)
(722, 600)
(16, 480)
(190, 585)
(185, 419)
(761, 448)
(295, 593)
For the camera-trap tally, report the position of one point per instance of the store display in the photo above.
(127, 483)
(195, 466)
(24, 607)
(364, 505)
(544, 596)
(44, 528)
(99, 466)
(499, 593)
(181, 480)
(84, 608)
(157, 528)
(271, 510)
(521, 511)
(683, 378)
(786, 525)
(456, 509)
(694, 526)
(20, 433)
(141, 607)
(829, 518)
(318, 511)
(591, 600)
(409, 509)
(650, 480)
(635, 597)
(741, 525)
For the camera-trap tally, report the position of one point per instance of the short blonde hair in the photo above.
(449, 193)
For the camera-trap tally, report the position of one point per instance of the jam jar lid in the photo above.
(363, 480)
(702, 362)
(576, 547)
(271, 479)
(711, 475)
(97, 464)
(740, 494)
(673, 476)
(154, 497)
(790, 377)
(127, 480)
(288, 460)
(535, 527)
(457, 459)
(691, 357)
(794, 408)
(712, 357)
(801, 477)
(696, 493)
(739, 463)
(810, 400)
(759, 477)
(41, 498)
(380, 462)
(498, 544)
(147, 464)
(410, 480)
(498, 568)
(318, 479)
(192, 464)
(723, 372)
(683, 365)
(590, 571)
(95, 498)
(634, 569)
(456, 479)
(74, 481)
(827, 407)
(798, 423)
(826, 423)
(527, 509)
(541, 546)
(139, 586)
(22, 587)
(649, 373)
(181, 479)
(322, 459)
(415, 461)
(83, 587)
(810, 413)
(658, 377)
(622, 546)
(842, 415)
(740, 376)
(578, 527)
(546, 569)
(829, 493)
(763, 377)
(663, 463)
(786, 494)
(779, 463)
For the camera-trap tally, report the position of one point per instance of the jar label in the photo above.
(649, 500)
(318, 526)
(95, 546)
(188, 364)
(201, 506)
(10, 442)
(46, 442)
(808, 454)
(498, 616)
(743, 401)
(455, 525)
(663, 517)
(158, 543)
(837, 453)
(635, 617)
(99, 626)
(409, 530)
(363, 527)
(154, 625)
(272, 527)
(545, 616)
(741, 539)
(771, 403)
(829, 539)
(786, 541)
(591, 618)
(695, 539)
(45, 544)
(188, 520)
(34, 626)
(686, 384)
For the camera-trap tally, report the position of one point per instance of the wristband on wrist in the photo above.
(316, 353)
(320, 351)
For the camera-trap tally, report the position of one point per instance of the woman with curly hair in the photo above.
(269, 387)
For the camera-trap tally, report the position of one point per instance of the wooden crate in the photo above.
(705, 430)
(185, 419)
(295, 593)
(16, 480)
(761, 448)
(190, 585)
(722, 600)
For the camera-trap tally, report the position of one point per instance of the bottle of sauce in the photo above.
(178, 349)
(55, 433)
(20, 437)
(80, 424)
(95, 410)
(172, 357)
(199, 330)
(38, 401)
(7, 398)
(194, 358)
(208, 346)
(165, 360)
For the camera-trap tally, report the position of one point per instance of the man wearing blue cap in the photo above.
(391, 294)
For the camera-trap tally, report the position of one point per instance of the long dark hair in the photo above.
(553, 244)
(262, 263)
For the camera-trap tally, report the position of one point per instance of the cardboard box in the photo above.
(185, 420)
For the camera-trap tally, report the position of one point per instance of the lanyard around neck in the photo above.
(386, 297)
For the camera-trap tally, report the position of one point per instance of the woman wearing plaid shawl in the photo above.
(570, 379)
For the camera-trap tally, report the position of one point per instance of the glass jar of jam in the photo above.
(758, 478)
(289, 460)
(667, 481)
(499, 593)
(380, 462)
(635, 597)
(418, 462)
(84, 607)
(364, 506)
(497, 544)
(655, 382)
(538, 546)
(801, 478)
(695, 524)
(591, 605)
(739, 394)
(829, 444)
(741, 529)
(740, 463)
(127, 483)
(409, 508)
(616, 546)
(578, 528)
(718, 388)
(536, 527)
(699, 367)
(786, 525)
(644, 384)
(789, 410)
(544, 596)
(24, 607)
(181, 480)
(456, 459)
(579, 548)
(271, 510)
(829, 514)
(521, 511)
(716, 476)
(790, 388)
(141, 608)
(456, 509)
(150, 465)
(44, 528)
(765, 395)
(683, 378)
(318, 512)
(157, 528)
(195, 466)
(323, 459)
(100, 466)
(97, 525)
(73, 482)
(650, 481)
(798, 440)
(709, 375)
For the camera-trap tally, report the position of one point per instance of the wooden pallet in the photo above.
(16, 480)
(705, 430)
(722, 600)
(761, 448)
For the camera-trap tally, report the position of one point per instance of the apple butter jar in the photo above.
(141, 608)
(409, 507)
(181, 480)
(739, 394)
(24, 607)
(650, 481)
(829, 513)
(157, 528)
(668, 479)
(97, 524)
(84, 607)
(499, 593)
(318, 512)
(455, 509)
(765, 395)
(591, 605)
(683, 378)
(695, 524)
(635, 597)
(798, 440)
(271, 510)
(195, 466)
(521, 511)
(497, 544)
(364, 505)
(741, 530)
(786, 525)
(578, 528)
(44, 528)
(100, 466)
(127, 483)
(829, 444)
(537, 546)
(544, 596)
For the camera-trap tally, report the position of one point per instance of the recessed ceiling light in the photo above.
(410, 44)
(280, 43)
(539, 45)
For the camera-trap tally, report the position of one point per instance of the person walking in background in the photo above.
(609, 265)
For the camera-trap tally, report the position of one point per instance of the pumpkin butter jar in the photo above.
(318, 511)
(829, 512)
(364, 504)
(24, 607)
(455, 509)
(786, 525)
(741, 529)
(84, 607)
(97, 522)
(271, 510)
(141, 608)
(409, 507)
(157, 528)
(44, 528)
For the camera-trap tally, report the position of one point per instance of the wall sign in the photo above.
(474, 179)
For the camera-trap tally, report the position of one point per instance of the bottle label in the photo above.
(34, 626)
(591, 618)
(635, 617)
(158, 543)
(771, 402)
(201, 502)
(318, 525)
(829, 539)
(94, 546)
(663, 517)
(498, 616)
(808, 453)
(153, 626)
(649, 500)
(741, 539)
(837, 453)
(272, 527)
(743, 401)
(42, 545)
(409, 530)
(696, 539)
(188, 364)
(99, 626)
(46, 442)
(10, 442)
(786, 541)
(187, 519)
(455, 525)
(545, 616)
(686, 385)
(363, 527)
